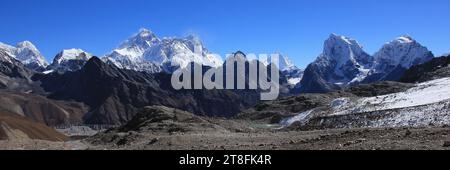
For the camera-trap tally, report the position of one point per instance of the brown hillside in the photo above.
(15, 127)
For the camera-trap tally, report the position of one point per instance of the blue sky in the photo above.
(296, 28)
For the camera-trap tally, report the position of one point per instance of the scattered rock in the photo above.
(446, 144)
(122, 142)
(153, 141)
(407, 133)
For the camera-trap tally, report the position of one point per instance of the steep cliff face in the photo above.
(342, 63)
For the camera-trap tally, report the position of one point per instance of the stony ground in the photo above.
(356, 139)
(338, 139)
(162, 128)
(28, 144)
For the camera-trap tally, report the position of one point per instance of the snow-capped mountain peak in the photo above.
(27, 45)
(287, 68)
(143, 32)
(70, 60)
(72, 54)
(284, 62)
(342, 48)
(343, 39)
(27, 53)
(343, 62)
(144, 39)
(404, 39)
(403, 51)
(346, 58)
(146, 52)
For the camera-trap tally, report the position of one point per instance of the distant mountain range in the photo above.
(143, 51)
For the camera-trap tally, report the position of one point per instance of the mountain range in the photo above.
(137, 74)
(146, 52)
(344, 63)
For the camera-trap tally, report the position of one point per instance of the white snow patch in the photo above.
(423, 94)
(48, 71)
(302, 117)
(294, 81)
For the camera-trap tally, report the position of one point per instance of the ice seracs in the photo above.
(69, 60)
(146, 52)
(28, 54)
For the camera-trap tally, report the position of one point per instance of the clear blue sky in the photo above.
(296, 28)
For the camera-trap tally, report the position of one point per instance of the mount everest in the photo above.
(146, 52)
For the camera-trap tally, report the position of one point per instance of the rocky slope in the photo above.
(17, 128)
(424, 105)
(274, 112)
(434, 69)
(378, 88)
(13, 68)
(15, 76)
(42, 110)
(154, 122)
(19, 95)
(162, 128)
(115, 95)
